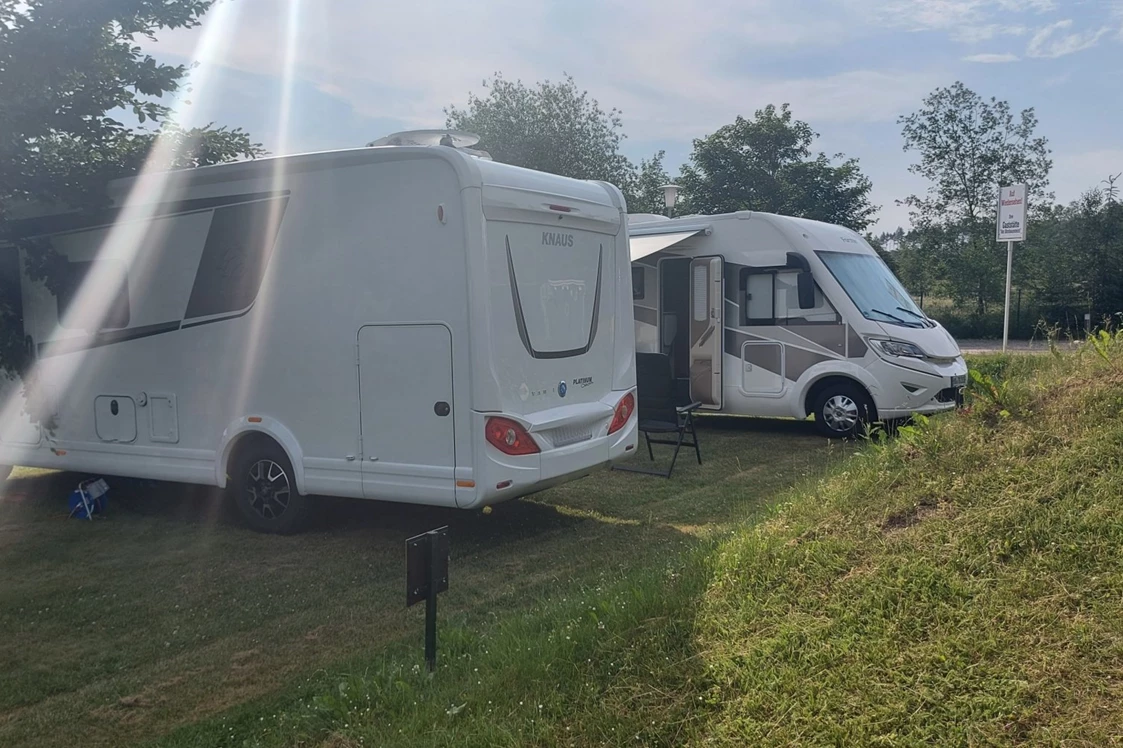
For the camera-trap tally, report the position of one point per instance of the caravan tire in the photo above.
(843, 410)
(262, 485)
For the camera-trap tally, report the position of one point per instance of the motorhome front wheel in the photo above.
(842, 410)
(262, 486)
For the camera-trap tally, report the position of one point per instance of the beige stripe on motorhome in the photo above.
(827, 339)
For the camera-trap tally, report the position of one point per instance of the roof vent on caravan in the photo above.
(461, 141)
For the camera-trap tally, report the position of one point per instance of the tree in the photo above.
(66, 70)
(917, 263)
(1111, 191)
(766, 164)
(1090, 250)
(647, 189)
(968, 147)
(551, 127)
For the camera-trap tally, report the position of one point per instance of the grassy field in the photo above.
(961, 584)
(166, 615)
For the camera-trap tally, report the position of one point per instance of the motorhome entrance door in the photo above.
(707, 307)
(405, 412)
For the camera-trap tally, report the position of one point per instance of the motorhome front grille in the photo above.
(949, 395)
(565, 435)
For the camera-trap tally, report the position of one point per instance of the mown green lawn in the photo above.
(167, 615)
(960, 584)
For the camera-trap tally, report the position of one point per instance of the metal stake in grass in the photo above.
(426, 577)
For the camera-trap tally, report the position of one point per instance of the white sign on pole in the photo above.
(1012, 213)
(1011, 228)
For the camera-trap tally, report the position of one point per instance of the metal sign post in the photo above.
(1011, 228)
(1006, 309)
(426, 577)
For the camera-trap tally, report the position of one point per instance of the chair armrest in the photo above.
(689, 408)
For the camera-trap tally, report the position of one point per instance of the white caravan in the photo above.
(411, 324)
(767, 315)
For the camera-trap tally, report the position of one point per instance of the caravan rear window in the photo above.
(555, 277)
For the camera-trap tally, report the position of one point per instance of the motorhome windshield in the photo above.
(874, 289)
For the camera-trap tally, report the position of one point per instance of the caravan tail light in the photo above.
(509, 437)
(623, 414)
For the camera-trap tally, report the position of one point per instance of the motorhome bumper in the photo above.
(526, 474)
(924, 410)
(935, 390)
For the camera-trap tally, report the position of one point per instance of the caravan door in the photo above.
(405, 409)
(707, 330)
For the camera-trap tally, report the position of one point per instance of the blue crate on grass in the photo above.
(89, 498)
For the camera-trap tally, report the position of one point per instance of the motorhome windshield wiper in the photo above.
(920, 317)
(893, 317)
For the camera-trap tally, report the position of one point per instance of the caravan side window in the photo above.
(235, 256)
(107, 284)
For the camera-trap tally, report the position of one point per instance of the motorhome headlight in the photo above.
(898, 348)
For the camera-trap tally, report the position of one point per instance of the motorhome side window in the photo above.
(787, 302)
(757, 297)
(107, 297)
(771, 297)
(637, 282)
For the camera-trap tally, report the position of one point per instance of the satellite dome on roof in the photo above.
(457, 139)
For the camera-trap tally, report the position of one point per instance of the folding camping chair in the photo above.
(660, 412)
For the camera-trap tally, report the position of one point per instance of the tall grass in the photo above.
(961, 583)
(964, 322)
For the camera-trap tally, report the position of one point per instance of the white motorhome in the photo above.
(768, 315)
(412, 324)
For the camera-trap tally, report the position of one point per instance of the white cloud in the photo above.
(1048, 43)
(991, 58)
(677, 68)
(671, 79)
(965, 20)
(975, 33)
(1037, 6)
(401, 61)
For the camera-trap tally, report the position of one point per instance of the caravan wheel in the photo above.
(263, 486)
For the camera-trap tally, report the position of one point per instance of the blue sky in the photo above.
(306, 75)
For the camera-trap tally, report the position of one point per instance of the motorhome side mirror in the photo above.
(805, 283)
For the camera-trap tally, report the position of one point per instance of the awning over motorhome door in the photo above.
(642, 246)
